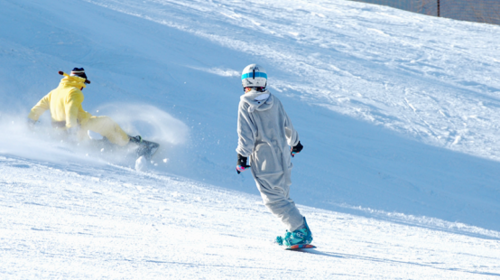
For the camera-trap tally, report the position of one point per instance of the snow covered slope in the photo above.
(69, 221)
(397, 112)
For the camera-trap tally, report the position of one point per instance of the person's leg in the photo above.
(107, 128)
(276, 199)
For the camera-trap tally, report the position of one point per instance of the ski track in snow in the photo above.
(404, 77)
(86, 223)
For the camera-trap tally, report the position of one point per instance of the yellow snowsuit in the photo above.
(65, 104)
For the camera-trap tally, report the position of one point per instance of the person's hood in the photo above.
(257, 100)
(72, 81)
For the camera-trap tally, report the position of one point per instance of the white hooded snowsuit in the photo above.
(265, 134)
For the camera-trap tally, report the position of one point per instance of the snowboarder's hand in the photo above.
(241, 164)
(31, 124)
(296, 149)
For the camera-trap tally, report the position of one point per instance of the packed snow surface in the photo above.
(398, 113)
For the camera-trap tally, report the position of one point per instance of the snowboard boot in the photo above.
(135, 139)
(302, 236)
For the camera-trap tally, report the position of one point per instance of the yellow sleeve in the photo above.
(73, 106)
(42, 106)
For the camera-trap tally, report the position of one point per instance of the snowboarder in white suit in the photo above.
(265, 135)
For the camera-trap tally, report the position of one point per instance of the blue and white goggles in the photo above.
(254, 75)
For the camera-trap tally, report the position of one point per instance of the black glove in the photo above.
(296, 149)
(241, 164)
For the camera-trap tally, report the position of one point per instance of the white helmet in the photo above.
(254, 76)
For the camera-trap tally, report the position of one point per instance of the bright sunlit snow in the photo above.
(398, 113)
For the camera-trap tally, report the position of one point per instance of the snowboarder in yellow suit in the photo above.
(65, 105)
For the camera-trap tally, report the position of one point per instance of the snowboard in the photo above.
(298, 247)
(144, 154)
(140, 155)
(147, 149)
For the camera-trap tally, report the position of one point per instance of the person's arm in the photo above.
(292, 136)
(246, 131)
(42, 106)
(246, 138)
